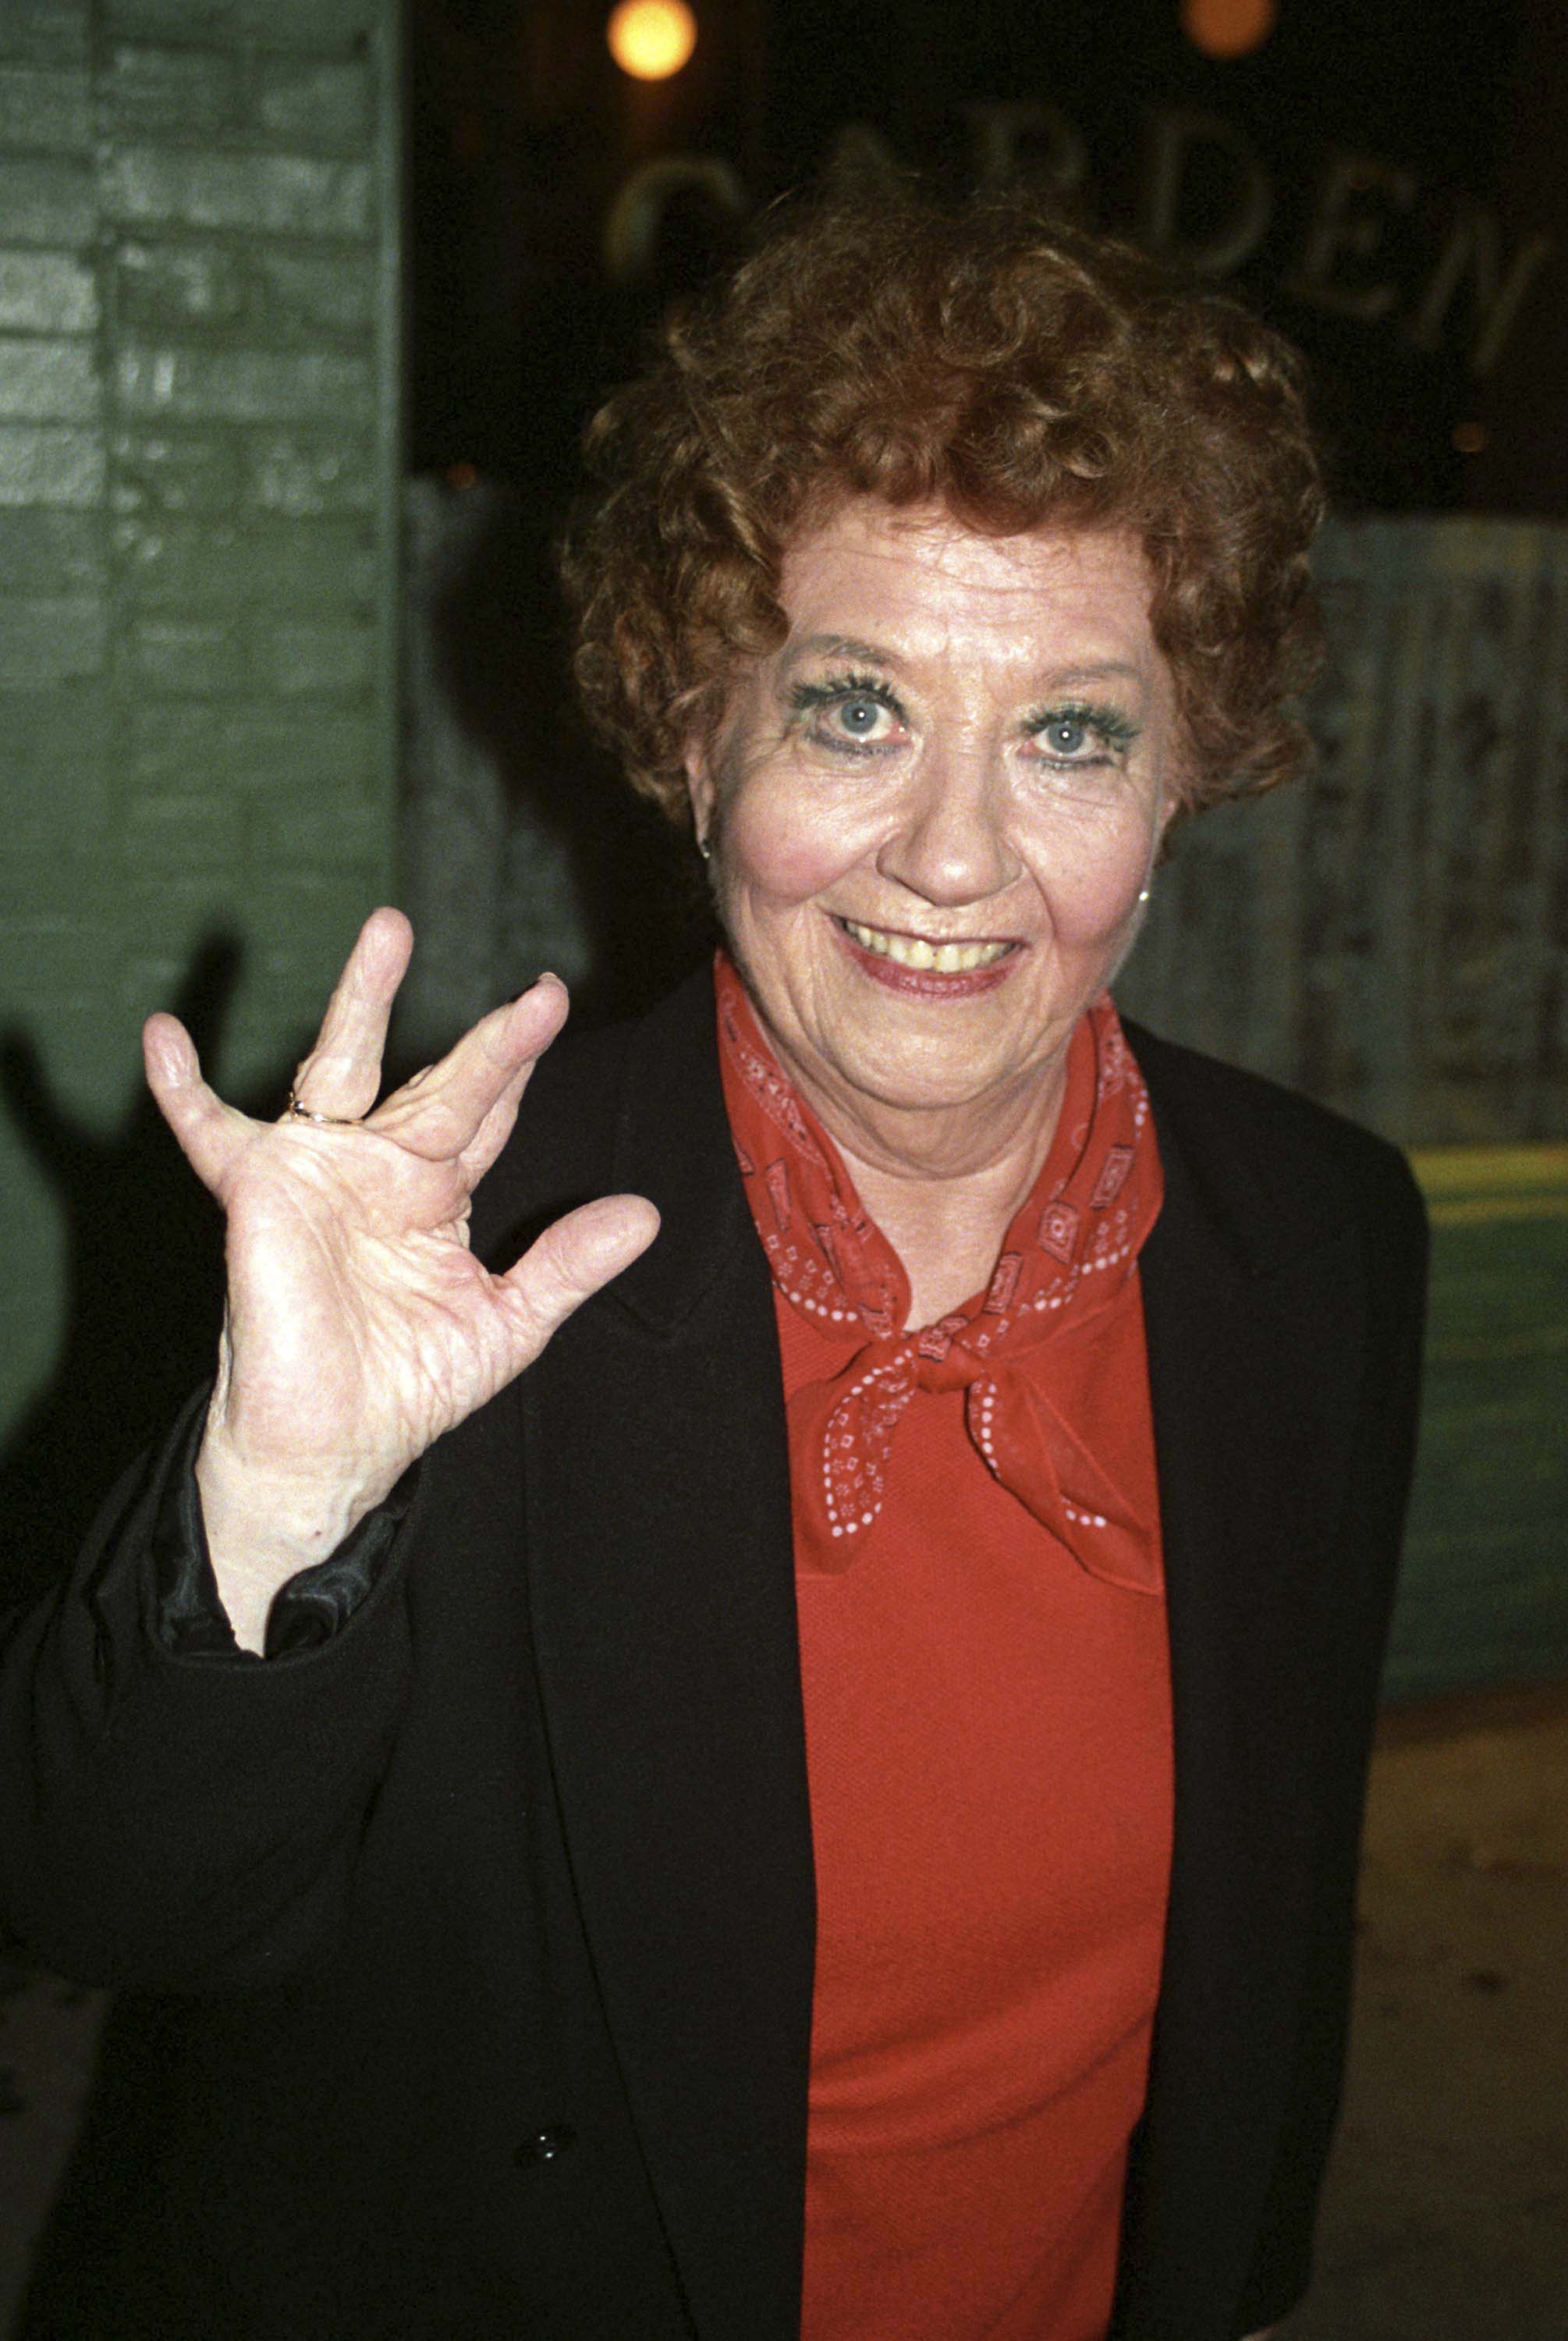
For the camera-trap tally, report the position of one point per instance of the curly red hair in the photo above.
(1020, 373)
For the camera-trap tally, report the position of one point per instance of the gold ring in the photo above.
(306, 1113)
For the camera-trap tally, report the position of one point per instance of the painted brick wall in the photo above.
(198, 546)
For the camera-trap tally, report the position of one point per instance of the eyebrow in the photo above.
(837, 646)
(851, 646)
(1096, 670)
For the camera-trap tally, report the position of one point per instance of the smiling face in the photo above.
(932, 812)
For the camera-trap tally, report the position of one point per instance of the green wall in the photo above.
(199, 468)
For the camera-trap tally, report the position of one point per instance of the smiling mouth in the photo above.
(926, 957)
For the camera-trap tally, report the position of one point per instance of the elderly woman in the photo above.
(827, 1803)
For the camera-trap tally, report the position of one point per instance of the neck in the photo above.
(944, 1197)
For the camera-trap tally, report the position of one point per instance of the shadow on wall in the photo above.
(144, 1262)
(522, 846)
(546, 860)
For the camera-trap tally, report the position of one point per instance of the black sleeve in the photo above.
(186, 1614)
(1378, 1494)
(189, 1818)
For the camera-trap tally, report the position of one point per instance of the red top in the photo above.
(988, 1729)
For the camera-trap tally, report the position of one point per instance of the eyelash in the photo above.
(1114, 730)
(809, 698)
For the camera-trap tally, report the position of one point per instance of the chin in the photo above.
(935, 1089)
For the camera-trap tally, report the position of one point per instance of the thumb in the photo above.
(572, 1259)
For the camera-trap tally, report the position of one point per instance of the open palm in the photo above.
(359, 1325)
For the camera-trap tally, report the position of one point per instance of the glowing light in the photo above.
(651, 39)
(1227, 28)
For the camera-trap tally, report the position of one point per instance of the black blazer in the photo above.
(467, 1958)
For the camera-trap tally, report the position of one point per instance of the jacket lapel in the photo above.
(662, 1597)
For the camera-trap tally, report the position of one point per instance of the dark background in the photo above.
(523, 130)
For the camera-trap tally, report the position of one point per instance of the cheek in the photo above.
(777, 844)
(1092, 883)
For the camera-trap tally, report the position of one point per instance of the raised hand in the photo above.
(359, 1325)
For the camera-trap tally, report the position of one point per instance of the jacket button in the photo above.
(545, 2145)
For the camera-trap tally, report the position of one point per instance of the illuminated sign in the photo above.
(1467, 295)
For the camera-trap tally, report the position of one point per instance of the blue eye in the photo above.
(849, 714)
(1065, 736)
(1088, 736)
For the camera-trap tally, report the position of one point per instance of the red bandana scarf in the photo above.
(1067, 1256)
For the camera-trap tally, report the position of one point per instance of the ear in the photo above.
(702, 789)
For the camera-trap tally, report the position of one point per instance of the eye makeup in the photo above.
(807, 700)
(1104, 730)
(1109, 728)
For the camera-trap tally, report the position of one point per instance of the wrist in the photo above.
(263, 1525)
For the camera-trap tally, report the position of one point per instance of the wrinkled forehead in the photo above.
(919, 583)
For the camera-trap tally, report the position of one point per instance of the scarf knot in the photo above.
(1069, 1255)
(940, 1362)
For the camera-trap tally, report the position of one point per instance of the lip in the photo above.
(926, 983)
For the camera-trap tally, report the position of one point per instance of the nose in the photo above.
(950, 843)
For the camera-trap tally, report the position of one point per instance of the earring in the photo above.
(1145, 893)
(705, 849)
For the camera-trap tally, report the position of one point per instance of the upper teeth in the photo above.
(908, 950)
